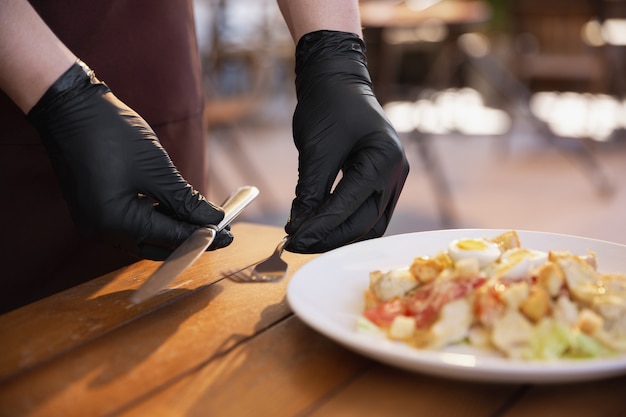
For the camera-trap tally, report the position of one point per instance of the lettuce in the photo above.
(553, 340)
(363, 325)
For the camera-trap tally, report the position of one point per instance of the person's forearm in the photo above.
(304, 16)
(31, 56)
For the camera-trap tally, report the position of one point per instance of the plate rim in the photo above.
(446, 363)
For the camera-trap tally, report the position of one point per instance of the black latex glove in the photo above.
(119, 182)
(338, 125)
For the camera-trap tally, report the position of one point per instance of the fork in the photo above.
(271, 269)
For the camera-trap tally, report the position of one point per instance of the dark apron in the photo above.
(145, 50)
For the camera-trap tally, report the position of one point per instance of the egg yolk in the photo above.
(471, 244)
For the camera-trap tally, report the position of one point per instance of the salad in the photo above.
(492, 293)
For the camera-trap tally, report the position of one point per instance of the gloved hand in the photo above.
(338, 125)
(118, 181)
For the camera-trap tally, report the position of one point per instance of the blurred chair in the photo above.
(611, 20)
(399, 31)
(551, 52)
(556, 50)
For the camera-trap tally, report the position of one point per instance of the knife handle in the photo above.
(236, 202)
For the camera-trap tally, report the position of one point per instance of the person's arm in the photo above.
(305, 16)
(340, 130)
(31, 56)
(119, 182)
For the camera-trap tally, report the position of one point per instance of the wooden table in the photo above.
(213, 347)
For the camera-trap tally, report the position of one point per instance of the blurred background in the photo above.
(512, 113)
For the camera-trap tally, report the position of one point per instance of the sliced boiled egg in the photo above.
(518, 263)
(483, 250)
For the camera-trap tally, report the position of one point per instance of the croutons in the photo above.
(555, 255)
(371, 300)
(427, 268)
(550, 277)
(507, 240)
(589, 322)
(537, 305)
(516, 294)
(580, 278)
(591, 259)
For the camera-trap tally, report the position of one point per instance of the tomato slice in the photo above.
(425, 302)
(384, 313)
(425, 305)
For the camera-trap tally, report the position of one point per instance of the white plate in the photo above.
(327, 294)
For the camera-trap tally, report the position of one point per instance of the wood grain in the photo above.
(280, 372)
(42, 330)
(595, 398)
(98, 374)
(387, 391)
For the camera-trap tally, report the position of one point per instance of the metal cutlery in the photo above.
(194, 246)
(271, 269)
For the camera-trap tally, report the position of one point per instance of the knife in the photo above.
(191, 249)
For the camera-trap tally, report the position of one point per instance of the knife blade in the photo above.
(191, 249)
